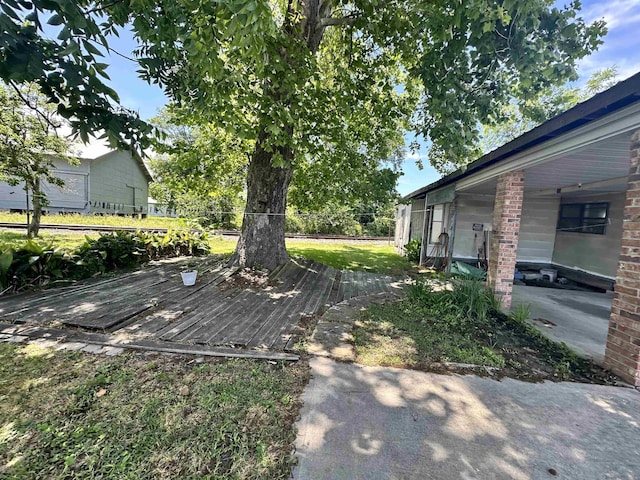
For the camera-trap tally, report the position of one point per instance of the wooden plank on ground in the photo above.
(261, 305)
(147, 345)
(285, 317)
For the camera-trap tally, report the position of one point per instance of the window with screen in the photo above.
(584, 217)
(437, 222)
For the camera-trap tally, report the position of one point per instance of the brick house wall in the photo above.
(623, 341)
(504, 238)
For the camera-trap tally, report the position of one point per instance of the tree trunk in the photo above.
(34, 226)
(261, 242)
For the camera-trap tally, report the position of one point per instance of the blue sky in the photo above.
(621, 48)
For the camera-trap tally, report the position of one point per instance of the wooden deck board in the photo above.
(152, 305)
(317, 298)
(282, 318)
(260, 312)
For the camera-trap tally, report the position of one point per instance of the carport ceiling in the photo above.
(599, 162)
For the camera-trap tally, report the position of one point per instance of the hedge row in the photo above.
(35, 264)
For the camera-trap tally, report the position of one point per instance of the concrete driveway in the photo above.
(385, 423)
(579, 319)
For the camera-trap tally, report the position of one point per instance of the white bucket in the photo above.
(549, 274)
(189, 278)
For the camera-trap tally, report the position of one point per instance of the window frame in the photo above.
(581, 222)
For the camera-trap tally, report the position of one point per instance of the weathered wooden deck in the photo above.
(152, 304)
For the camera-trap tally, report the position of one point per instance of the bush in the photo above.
(35, 264)
(412, 250)
(111, 251)
(175, 244)
(32, 263)
(467, 298)
(379, 227)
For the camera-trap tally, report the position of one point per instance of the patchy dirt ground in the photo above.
(251, 279)
(404, 335)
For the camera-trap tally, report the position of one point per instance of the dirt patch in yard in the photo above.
(435, 333)
(249, 278)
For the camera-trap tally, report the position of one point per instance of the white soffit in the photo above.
(585, 148)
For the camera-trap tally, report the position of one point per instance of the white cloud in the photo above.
(617, 13)
(416, 156)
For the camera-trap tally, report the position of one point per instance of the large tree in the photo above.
(329, 84)
(333, 83)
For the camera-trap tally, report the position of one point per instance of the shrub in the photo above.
(379, 227)
(412, 250)
(467, 298)
(111, 251)
(36, 264)
(32, 263)
(293, 223)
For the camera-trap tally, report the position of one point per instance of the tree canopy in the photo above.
(59, 46)
(323, 86)
(196, 166)
(521, 115)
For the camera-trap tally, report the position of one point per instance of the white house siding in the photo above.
(537, 229)
(118, 184)
(73, 197)
(470, 210)
(591, 252)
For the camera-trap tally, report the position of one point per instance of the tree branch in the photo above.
(100, 9)
(35, 108)
(337, 21)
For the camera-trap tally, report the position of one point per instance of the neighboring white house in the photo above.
(157, 209)
(105, 181)
(564, 195)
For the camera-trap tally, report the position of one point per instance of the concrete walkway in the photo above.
(579, 319)
(384, 423)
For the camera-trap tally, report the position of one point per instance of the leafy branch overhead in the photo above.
(60, 47)
(309, 71)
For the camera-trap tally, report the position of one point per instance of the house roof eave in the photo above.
(615, 98)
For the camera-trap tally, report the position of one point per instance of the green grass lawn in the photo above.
(108, 220)
(134, 416)
(369, 257)
(67, 241)
(363, 256)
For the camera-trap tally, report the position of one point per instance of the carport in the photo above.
(578, 318)
(566, 196)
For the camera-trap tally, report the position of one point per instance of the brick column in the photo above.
(504, 238)
(622, 355)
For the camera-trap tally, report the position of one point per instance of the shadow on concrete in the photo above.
(384, 423)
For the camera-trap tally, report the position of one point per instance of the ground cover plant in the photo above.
(32, 263)
(440, 326)
(74, 415)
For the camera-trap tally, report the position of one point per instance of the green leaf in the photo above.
(5, 261)
(55, 19)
